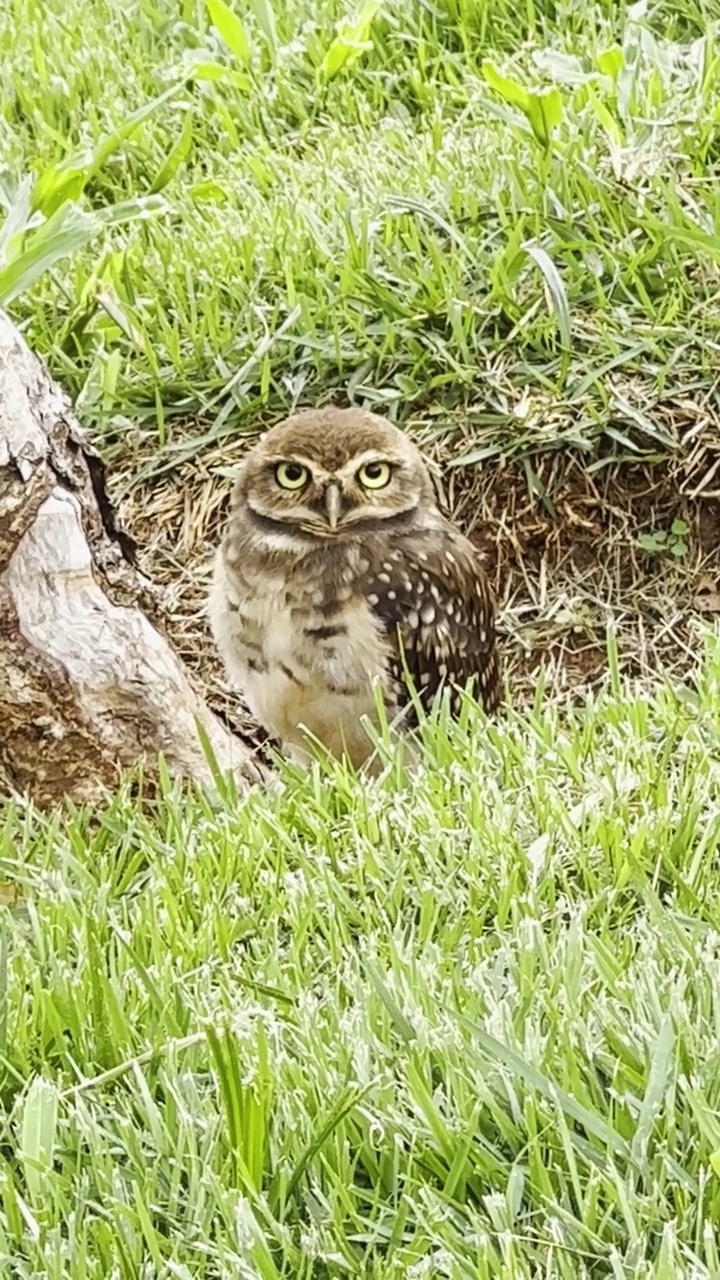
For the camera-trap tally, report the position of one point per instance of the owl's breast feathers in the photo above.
(306, 633)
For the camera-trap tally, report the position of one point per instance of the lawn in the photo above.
(333, 1029)
(462, 1024)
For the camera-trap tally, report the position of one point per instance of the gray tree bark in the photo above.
(89, 686)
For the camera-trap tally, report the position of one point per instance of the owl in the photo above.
(338, 579)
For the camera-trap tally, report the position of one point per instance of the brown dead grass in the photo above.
(558, 538)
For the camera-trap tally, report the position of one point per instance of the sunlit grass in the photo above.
(447, 215)
(465, 1026)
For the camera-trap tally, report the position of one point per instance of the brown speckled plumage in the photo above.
(325, 588)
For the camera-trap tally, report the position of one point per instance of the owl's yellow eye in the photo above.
(374, 475)
(291, 475)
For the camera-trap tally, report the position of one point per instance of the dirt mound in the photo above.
(571, 550)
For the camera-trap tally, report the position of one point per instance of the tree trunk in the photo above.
(89, 686)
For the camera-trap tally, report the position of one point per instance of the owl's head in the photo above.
(331, 472)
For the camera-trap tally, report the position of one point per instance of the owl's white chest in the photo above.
(293, 676)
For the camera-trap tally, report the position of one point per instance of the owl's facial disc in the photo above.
(373, 489)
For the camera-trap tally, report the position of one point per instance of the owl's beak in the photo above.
(332, 505)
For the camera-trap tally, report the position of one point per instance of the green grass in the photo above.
(468, 1029)
(486, 199)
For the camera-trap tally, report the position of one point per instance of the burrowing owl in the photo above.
(336, 573)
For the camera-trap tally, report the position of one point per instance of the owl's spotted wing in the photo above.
(436, 606)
